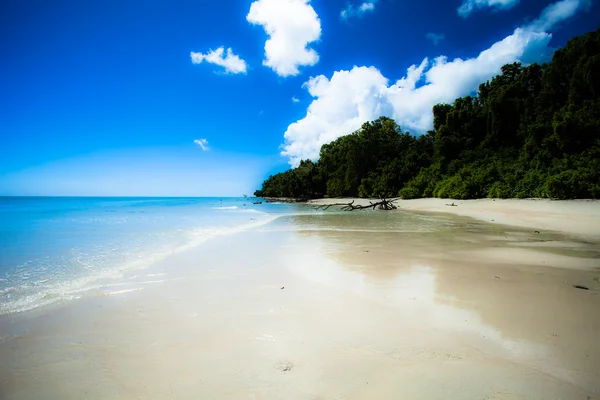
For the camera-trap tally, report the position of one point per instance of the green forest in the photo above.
(532, 131)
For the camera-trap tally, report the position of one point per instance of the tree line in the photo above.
(532, 131)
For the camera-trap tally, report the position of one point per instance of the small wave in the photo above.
(121, 291)
(56, 292)
(137, 283)
(250, 210)
(34, 301)
(201, 235)
(226, 208)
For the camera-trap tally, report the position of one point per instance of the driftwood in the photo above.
(383, 204)
(581, 287)
(285, 199)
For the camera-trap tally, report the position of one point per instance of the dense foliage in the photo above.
(530, 132)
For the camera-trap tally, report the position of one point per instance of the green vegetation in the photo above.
(530, 132)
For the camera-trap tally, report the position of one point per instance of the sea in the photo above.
(54, 249)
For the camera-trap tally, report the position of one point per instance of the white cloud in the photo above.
(295, 100)
(341, 105)
(291, 25)
(367, 6)
(231, 62)
(345, 101)
(353, 11)
(435, 37)
(558, 12)
(203, 144)
(468, 6)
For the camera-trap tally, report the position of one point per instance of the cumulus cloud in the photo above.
(342, 103)
(352, 10)
(232, 63)
(468, 6)
(435, 37)
(203, 144)
(291, 26)
(295, 100)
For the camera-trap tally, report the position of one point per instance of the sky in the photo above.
(207, 98)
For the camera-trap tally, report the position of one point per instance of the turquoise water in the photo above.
(55, 248)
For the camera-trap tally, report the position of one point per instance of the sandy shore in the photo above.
(334, 306)
(577, 217)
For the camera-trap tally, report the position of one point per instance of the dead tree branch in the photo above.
(383, 204)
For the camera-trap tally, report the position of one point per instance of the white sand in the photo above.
(315, 308)
(578, 217)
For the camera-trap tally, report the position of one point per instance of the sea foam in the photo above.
(75, 247)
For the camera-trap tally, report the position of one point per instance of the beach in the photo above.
(577, 217)
(430, 301)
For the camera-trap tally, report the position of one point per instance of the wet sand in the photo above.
(576, 217)
(368, 306)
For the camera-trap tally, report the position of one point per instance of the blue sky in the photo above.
(135, 98)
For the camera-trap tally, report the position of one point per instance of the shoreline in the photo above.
(331, 305)
(575, 217)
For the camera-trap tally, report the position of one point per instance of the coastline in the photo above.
(331, 305)
(576, 217)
